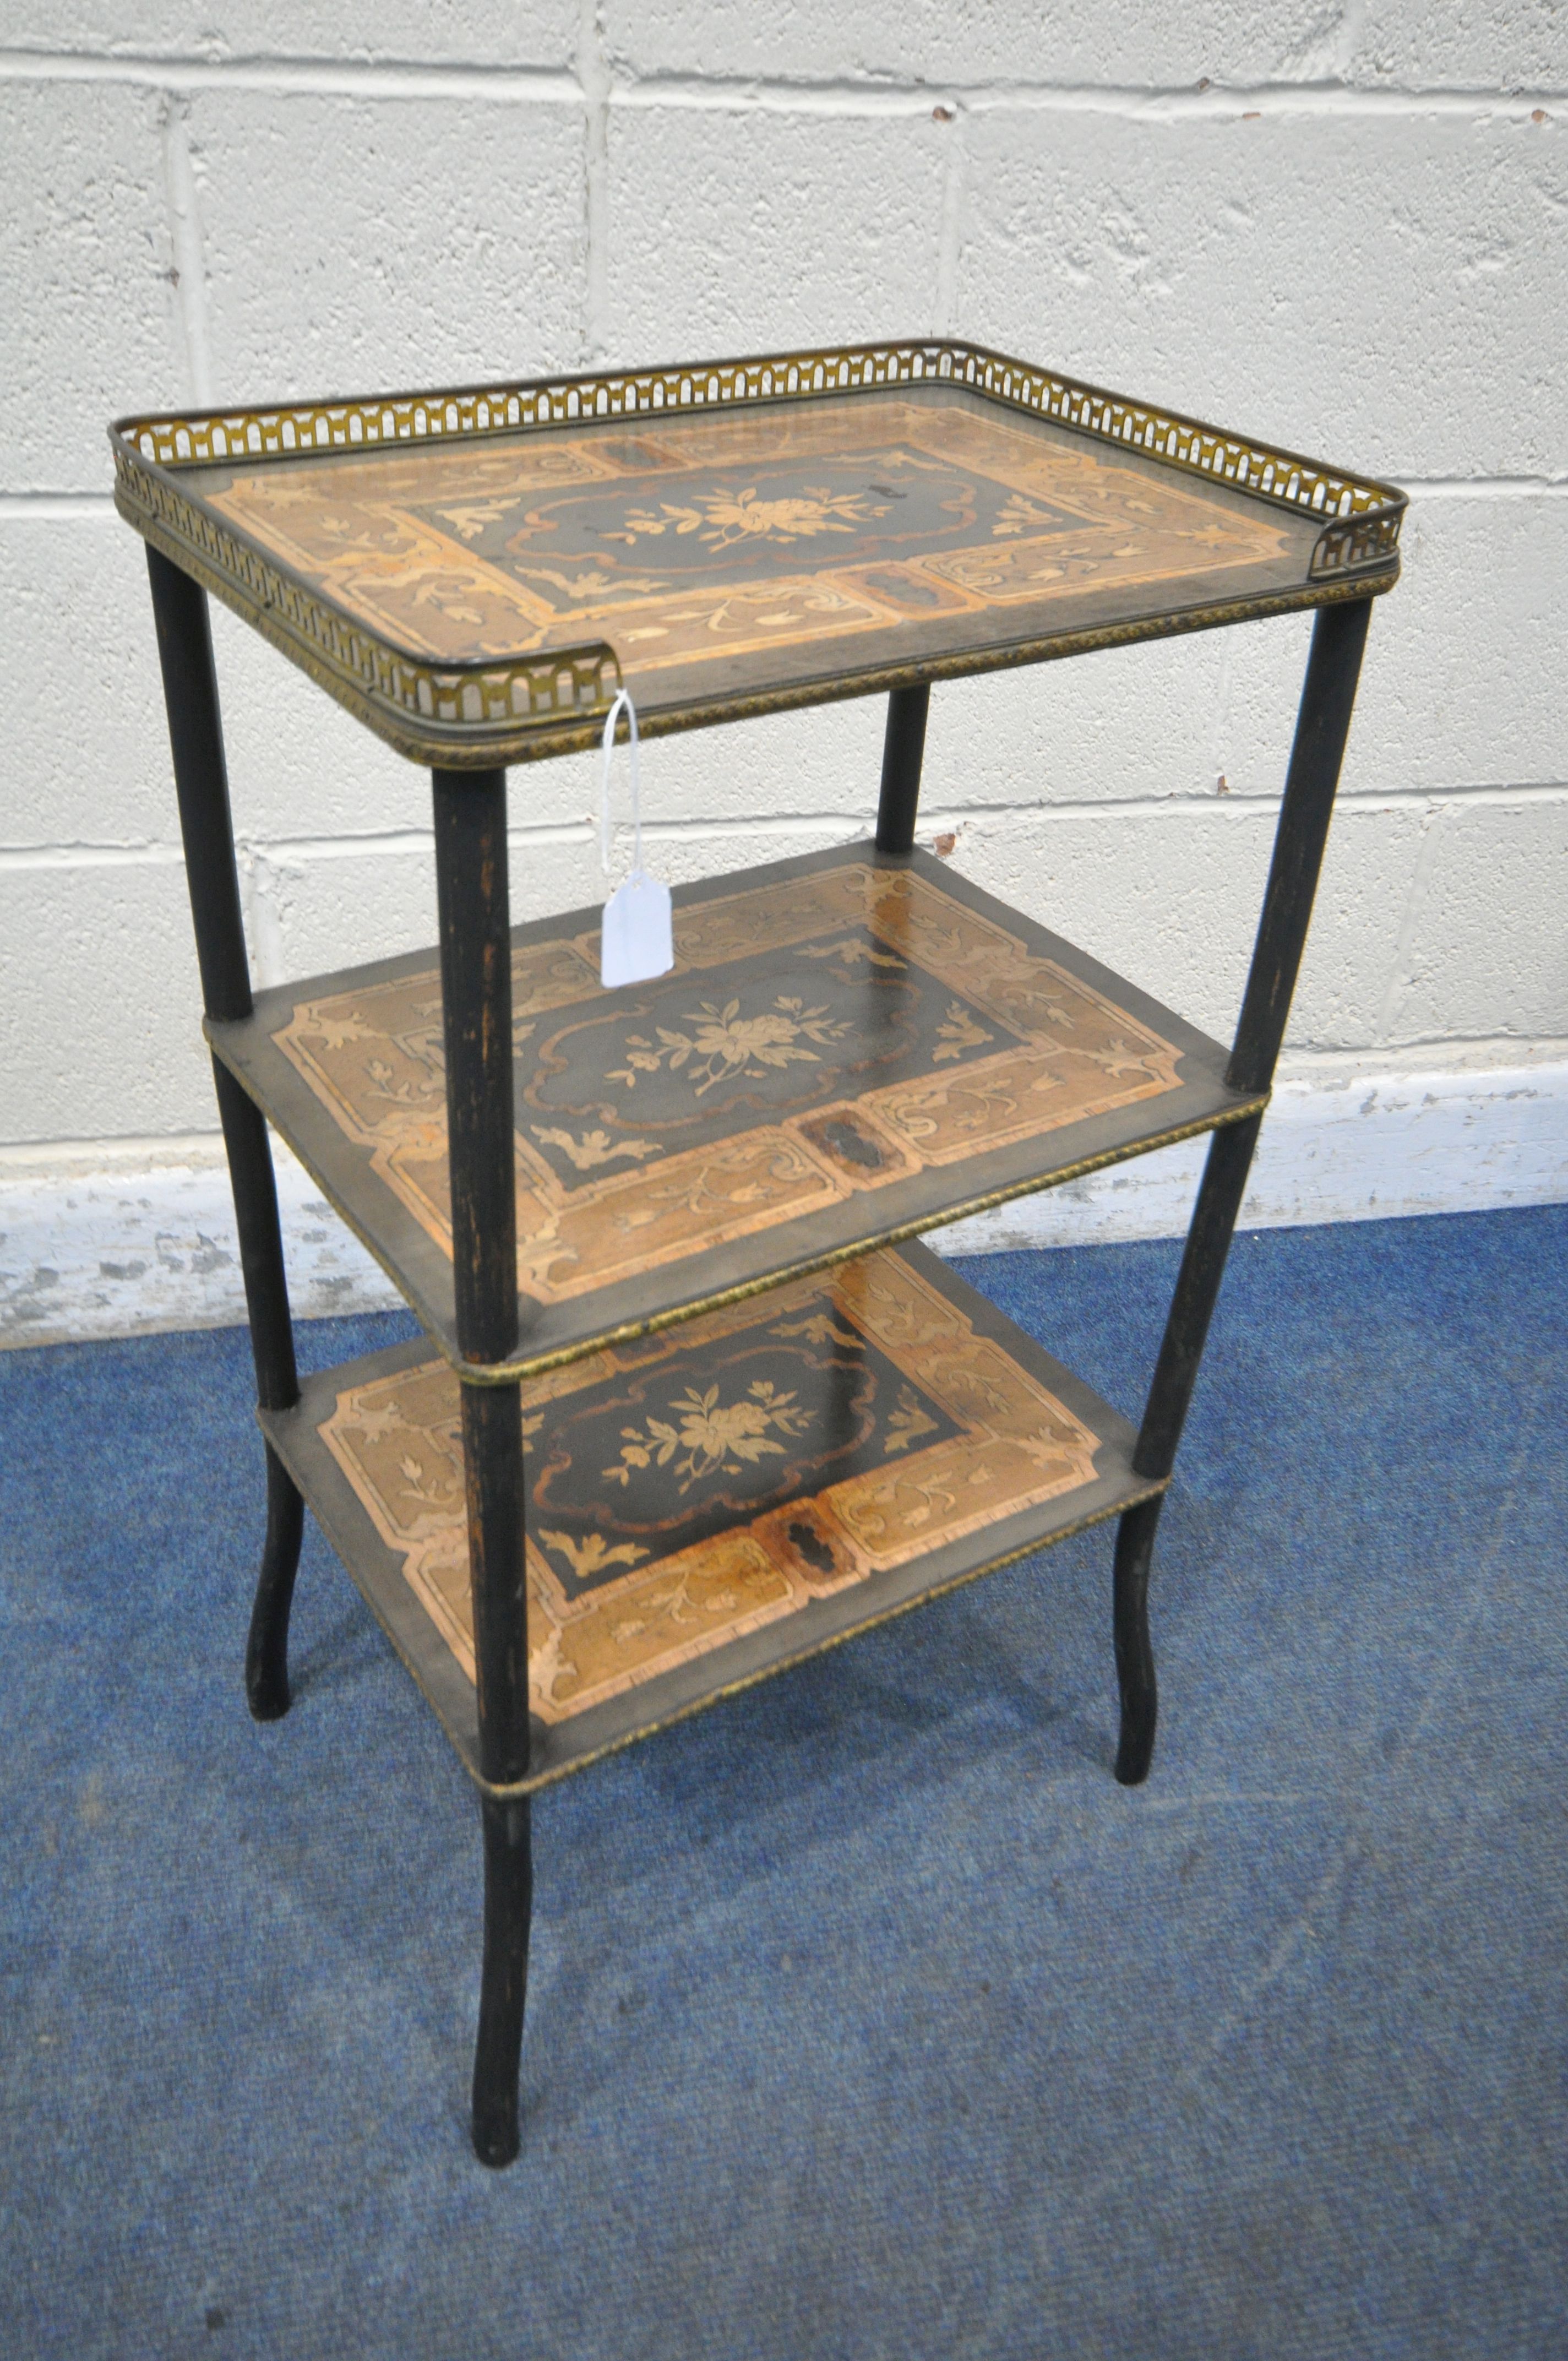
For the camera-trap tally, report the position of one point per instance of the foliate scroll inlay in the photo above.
(816, 1039)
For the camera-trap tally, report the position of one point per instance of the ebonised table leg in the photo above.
(1135, 1654)
(266, 1643)
(902, 752)
(509, 1908)
(200, 779)
(1323, 725)
(476, 982)
(492, 1452)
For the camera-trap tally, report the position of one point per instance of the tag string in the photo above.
(623, 698)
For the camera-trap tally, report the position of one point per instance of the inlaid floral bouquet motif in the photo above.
(725, 1045)
(715, 1438)
(722, 518)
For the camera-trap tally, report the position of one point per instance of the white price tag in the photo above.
(636, 939)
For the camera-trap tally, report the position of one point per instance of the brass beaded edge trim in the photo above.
(517, 1790)
(411, 703)
(524, 1366)
(471, 749)
(1005, 656)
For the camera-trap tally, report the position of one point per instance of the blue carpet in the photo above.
(869, 2016)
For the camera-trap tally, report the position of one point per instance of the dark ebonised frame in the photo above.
(473, 897)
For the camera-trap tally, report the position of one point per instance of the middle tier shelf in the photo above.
(851, 1046)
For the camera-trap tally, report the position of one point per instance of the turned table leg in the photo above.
(1323, 725)
(902, 754)
(509, 1905)
(200, 779)
(1176, 1373)
(476, 982)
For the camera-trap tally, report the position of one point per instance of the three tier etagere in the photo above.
(693, 1403)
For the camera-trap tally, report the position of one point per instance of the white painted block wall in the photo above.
(1343, 227)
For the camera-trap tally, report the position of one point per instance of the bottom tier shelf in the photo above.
(710, 1505)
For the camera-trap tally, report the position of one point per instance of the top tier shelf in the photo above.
(474, 574)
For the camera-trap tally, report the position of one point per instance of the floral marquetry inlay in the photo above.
(726, 1042)
(837, 1032)
(724, 536)
(720, 519)
(686, 1491)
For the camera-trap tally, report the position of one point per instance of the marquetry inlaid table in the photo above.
(693, 1402)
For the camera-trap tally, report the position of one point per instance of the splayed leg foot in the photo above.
(509, 1905)
(267, 1650)
(1135, 1656)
